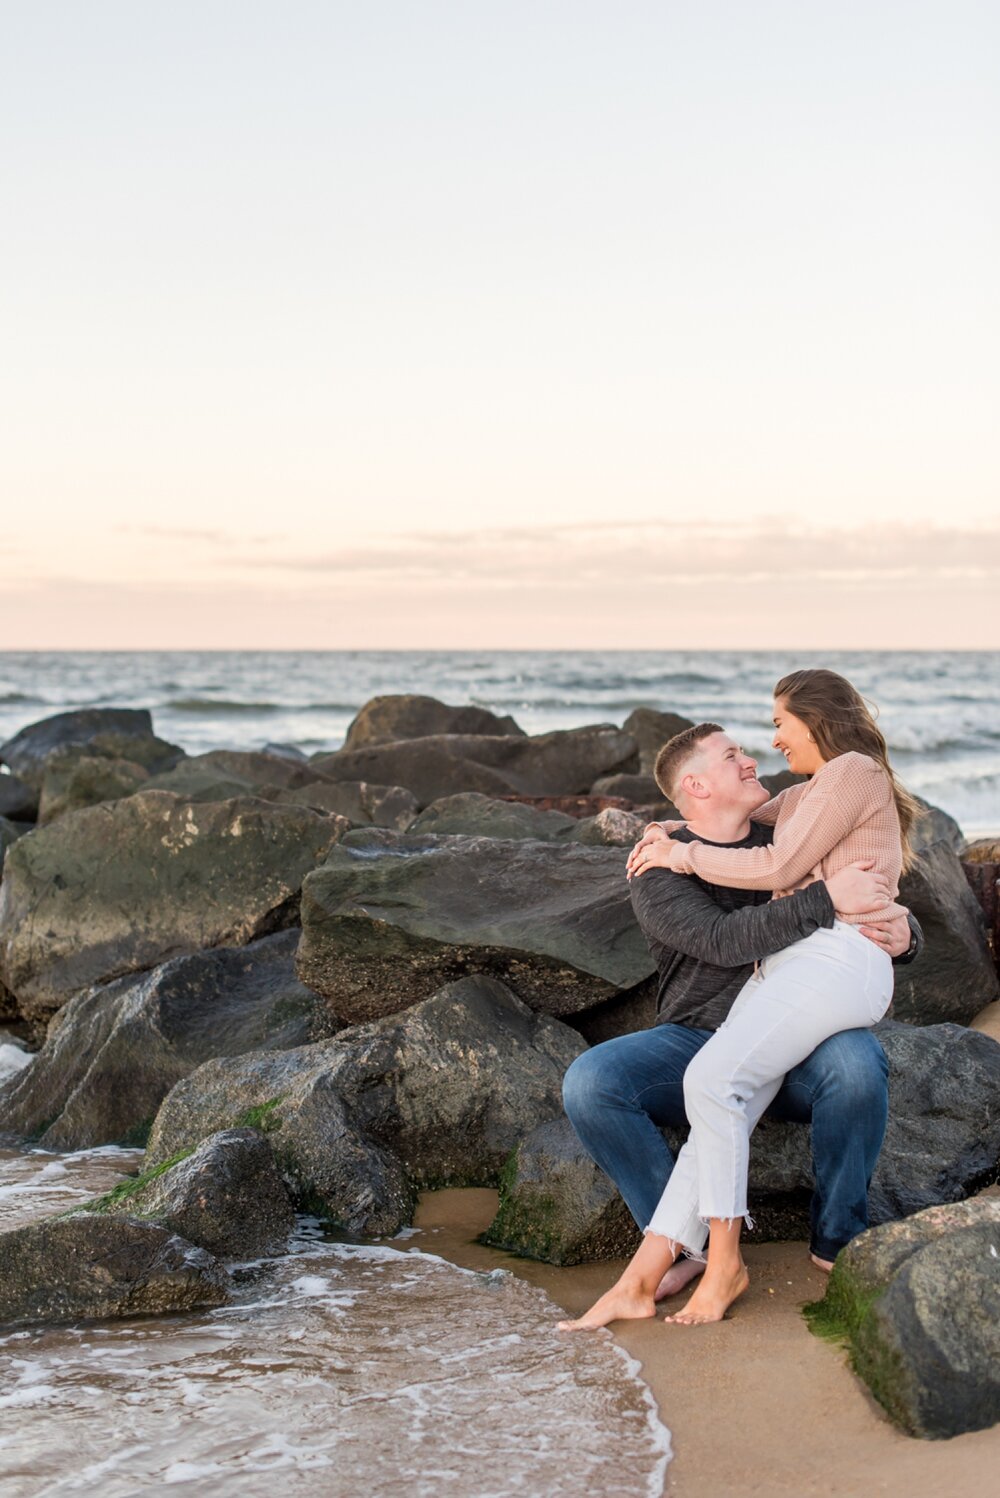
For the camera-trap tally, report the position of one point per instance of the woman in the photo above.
(851, 808)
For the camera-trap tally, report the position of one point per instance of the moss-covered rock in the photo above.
(359, 1124)
(918, 1305)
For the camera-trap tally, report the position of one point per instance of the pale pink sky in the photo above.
(533, 324)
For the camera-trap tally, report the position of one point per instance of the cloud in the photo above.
(566, 557)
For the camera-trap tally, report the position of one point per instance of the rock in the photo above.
(565, 762)
(362, 804)
(120, 887)
(936, 826)
(943, 1138)
(470, 814)
(247, 773)
(108, 732)
(954, 977)
(390, 917)
(610, 829)
(409, 716)
(9, 834)
(226, 1197)
(116, 1050)
(18, 800)
(919, 1303)
(86, 1265)
(358, 1124)
(74, 780)
(651, 730)
(982, 850)
(287, 751)
(555, 1204)
(942, 1142)
(622, 1014)
(641, 790)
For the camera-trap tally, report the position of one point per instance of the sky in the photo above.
(555, 324)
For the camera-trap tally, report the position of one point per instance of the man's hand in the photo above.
(892, 936)
(654, 833)
(858, 889)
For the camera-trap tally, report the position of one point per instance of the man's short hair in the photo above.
(676, 752)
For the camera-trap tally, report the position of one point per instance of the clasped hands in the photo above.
(656, 849)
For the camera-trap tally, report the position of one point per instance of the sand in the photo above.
(757, 1404)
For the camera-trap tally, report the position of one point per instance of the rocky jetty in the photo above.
(389, 918)
(918, 1303)
(120, 887)
(119, 1047)
(358, 1124)
(338, 980)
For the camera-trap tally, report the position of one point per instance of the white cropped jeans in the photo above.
(831, 981)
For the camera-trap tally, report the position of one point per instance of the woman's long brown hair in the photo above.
(839, 719)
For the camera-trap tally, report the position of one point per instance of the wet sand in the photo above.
(798, 1423)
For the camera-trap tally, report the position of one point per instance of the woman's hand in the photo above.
(656, 832)
(661, 853)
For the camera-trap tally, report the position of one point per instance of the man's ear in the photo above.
(691, 786)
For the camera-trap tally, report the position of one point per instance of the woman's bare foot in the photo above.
(714, 1296)
(621, 1303)
(678, 1276)
(825, 1264)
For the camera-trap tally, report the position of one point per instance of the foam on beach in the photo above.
(349, 1368)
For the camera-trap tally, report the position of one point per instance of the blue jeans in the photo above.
(620, 1094)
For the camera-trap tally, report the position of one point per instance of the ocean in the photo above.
(938, 710)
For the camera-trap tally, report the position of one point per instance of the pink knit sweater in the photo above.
(845, 812)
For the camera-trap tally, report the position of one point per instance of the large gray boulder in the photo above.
(651, 730)
(470, 814)
(641, 790)
(120, 887)
(566, 762)
(363, 804)
(89, 1265)
(936, 826)
(389, 918)
(919, 1304)
(226, 1196)
(108, 732)
(409, 716)
(114, 1051)
(73, 780)
(942, 1143)
(359, 1124)
(954, 977)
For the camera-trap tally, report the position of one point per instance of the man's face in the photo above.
(728, 775)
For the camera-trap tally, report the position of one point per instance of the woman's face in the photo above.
(795, 742)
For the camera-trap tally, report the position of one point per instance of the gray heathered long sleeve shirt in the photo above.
(705, 938)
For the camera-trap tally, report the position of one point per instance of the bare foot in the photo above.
(677, 1276)
(825, 1264)
(713, 1297)
(621, 1303)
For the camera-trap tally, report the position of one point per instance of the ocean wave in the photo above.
(224, 705)
(218, 705)
(22, 699)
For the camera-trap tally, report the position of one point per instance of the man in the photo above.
(705, 940)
